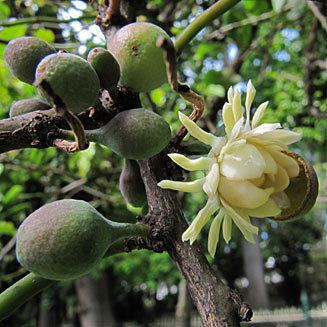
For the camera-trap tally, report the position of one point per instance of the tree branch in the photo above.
(217, 304)
(42, 19)
(255, 20)
(203, 20)
(315, 10)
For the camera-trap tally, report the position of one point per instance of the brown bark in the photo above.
(95, 307)
(217, 304)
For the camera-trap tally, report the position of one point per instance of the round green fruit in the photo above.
(134, 134)
(22, 107)
(106, 67)
(131, 184)
(68, 80)
(142, 66)
(23, 54)
(67, 238)
(62, 240)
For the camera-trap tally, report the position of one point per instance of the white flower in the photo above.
(247, 171)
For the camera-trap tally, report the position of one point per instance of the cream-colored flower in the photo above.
(247, 171)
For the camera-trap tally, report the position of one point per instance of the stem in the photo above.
(203, 20)
(20, 292)
(124, 231)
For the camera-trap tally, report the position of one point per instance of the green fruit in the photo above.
(23, 54)
(106, 67)
(27, 105)
(131, 184)
(65, 239)
(142, 66)
(68, 80)
(134, 134)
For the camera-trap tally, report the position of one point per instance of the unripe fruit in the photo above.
(23, 54)
(131, 184)
(68, 80)
(106, 67)
(142, 66)
(66, 239)
(27, 105)
(134, 134)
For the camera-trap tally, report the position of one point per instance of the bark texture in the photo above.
(217, 304)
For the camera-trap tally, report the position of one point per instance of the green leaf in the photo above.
(12, 194)
(45, 34)
(13, 32)
(256, 7)
(4, 11)
(7, 228)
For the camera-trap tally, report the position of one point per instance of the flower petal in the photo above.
(230, 94)
(244, 163)
(281, 181)
(259, 114)
(268, 209)
(287, 162)
(283, 136)
(263, 128)
(250, 94)
(281, 199)
(237, 106)
(236, 130)
(196, 131)
(227, 228)
(194, 186)
(210, 186)
(201, 163)
(214, 231)
(242, 193)
(242, 221)
(271, 166)
(200, 220)
(228, 117)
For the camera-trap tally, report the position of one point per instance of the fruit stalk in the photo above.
(124, 230)
(203, 20)
(20, 292)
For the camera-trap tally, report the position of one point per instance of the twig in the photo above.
(81, 142)
(315, 10)
(112, 11)
(255, 20)
(203, 20)
(184, 90)
(7, 247)
(41, 19)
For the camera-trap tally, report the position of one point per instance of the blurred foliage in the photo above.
(271, 53)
